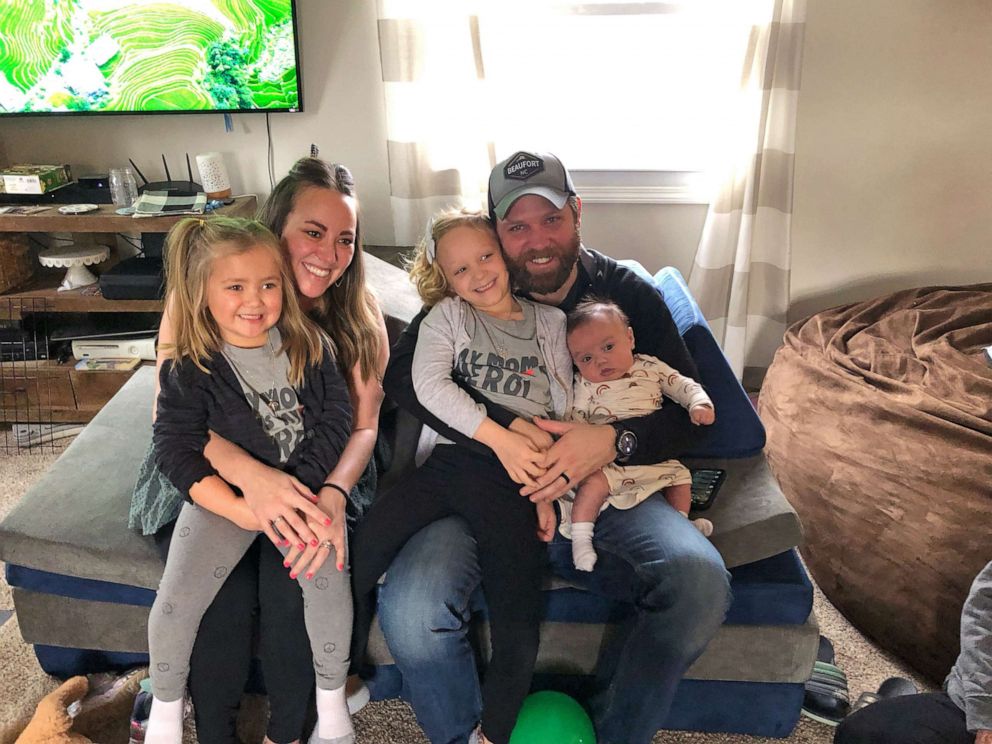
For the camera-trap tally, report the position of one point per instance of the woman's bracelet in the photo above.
(336, 487)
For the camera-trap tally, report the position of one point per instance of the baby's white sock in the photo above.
(165, 722)
(333, 721)
(703, 525)
(583, 554)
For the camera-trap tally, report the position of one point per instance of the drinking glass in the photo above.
(123, 187)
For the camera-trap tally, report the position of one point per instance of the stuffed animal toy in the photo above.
(51, 723)
(103, 713)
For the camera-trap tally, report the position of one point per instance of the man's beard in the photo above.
(526, 283)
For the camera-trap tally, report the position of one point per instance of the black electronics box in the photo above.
(95, 181)
(98, 326)
(25, 348)
(22, 344)
(134, 279)
(71, 193)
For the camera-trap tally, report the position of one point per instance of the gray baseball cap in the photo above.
(539, 173)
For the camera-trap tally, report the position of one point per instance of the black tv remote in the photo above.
(706, 483)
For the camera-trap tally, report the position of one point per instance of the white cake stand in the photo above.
(76, 260)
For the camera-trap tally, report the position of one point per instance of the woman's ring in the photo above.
(567, 479)
(327, 544)
(278, 519)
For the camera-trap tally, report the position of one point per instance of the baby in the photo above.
(612, 384)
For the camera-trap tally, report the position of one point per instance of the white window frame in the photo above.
(642, 187)
(648, 186)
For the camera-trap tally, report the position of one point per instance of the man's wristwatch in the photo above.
(626, 442)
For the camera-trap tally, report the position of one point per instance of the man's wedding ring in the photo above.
(567, 479)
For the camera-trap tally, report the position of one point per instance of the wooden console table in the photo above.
(40, 293)
(45, 391)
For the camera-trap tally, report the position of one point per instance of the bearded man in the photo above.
(649, 556)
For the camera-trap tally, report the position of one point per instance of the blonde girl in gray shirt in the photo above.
(478, 336)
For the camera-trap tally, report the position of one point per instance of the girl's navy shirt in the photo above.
(192, 403)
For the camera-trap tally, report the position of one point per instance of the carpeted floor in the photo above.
(22, 682)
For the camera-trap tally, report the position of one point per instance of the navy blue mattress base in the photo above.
(774, 591)
(68, 662)
(63, 663)
(754, 708)
(46, 582)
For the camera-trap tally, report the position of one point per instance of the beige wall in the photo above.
(893, 163)
(657, 236)
(343, 115)
(894, 149)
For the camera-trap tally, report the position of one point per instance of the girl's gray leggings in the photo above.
(205, 548)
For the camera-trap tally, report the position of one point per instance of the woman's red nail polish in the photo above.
(314, 542)
(327, 522)
(309, 575)
(286, 564)
(292, 576)
(301, 546)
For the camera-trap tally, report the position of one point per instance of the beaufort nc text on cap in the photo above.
(524, 173)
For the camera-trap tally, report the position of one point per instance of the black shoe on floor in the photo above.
(892, 687)
(826, 699)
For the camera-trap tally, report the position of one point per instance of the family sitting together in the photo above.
(538, 367)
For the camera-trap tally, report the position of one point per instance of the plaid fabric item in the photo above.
(155, 203)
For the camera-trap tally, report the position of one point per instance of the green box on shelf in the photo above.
(33, 179)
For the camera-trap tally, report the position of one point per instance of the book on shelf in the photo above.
(117, 364)
(22, 209)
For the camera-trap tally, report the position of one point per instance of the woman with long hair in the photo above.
(314, 212)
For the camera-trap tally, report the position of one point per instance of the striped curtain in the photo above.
(740, 275)
(439, 148)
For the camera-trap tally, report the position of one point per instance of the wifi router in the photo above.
(173, 188)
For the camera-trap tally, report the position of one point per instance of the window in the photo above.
(616, 86)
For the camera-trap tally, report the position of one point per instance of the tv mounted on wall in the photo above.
(131, 57)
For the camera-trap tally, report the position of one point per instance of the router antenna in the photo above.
(138, 171)
(189, 169)
(167, 176)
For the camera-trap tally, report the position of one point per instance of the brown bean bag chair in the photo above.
(879, 421)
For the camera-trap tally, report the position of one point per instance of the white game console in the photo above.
(142, 347)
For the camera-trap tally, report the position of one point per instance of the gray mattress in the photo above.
(89, 488)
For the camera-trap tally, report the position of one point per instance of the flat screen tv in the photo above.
(163, 56)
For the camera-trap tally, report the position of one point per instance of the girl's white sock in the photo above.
(165, 722)
(333, 720)
(583, 554)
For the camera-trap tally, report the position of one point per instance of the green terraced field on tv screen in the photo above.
(124, 55)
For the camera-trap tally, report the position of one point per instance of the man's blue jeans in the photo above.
(650, 556)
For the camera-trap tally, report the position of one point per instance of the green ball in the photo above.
(552, 718)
